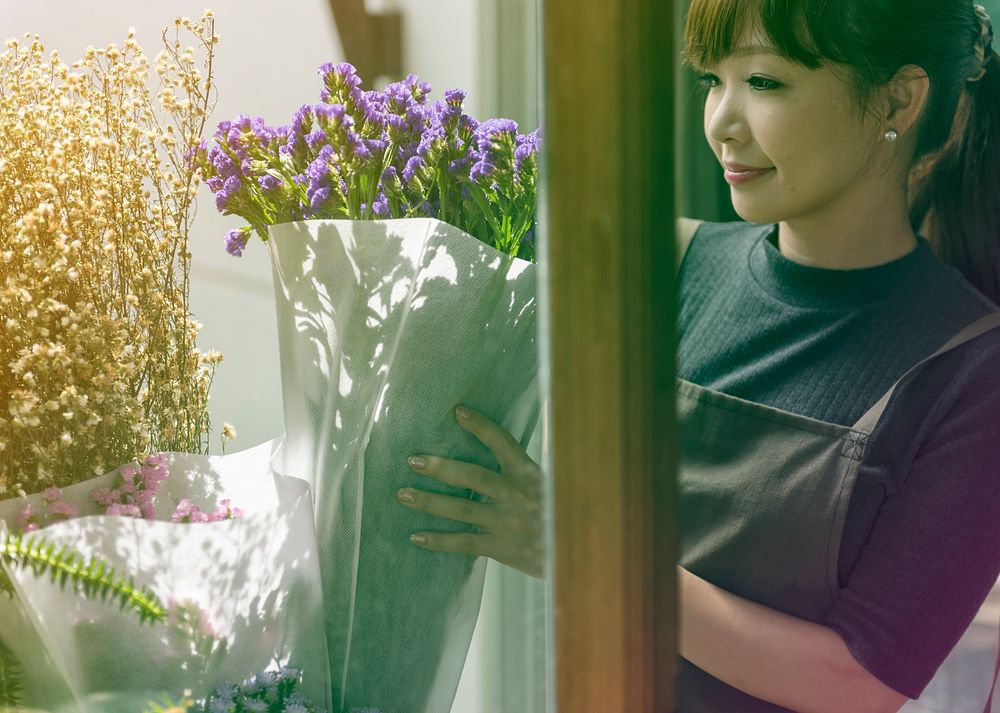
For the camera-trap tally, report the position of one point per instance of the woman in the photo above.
(839, 396)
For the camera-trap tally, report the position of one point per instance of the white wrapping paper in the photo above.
(251, 585)
(384, 327)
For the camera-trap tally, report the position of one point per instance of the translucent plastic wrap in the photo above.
(243, 595)
(384, 327)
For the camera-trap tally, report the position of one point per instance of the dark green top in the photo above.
(921, 545)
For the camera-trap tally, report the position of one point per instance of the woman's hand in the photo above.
(510, 522)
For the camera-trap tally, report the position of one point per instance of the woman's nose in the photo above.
(724, 118)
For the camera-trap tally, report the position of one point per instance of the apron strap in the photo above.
(685, 228)
(867, 422)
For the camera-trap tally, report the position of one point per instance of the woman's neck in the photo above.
(849, 240)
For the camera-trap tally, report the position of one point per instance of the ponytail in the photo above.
(955, 194)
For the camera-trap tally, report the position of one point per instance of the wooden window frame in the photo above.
(608, 310)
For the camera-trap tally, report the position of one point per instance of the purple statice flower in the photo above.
(377, 146)
(380, 206)
(396, 128)
(229, 189)
(269, 184)
(417, 89)
(526, 153)
(316, 139)
(482, 172)
(338, 82)
(319, 174)
(254, 705)
(398, 98)
(432, 144)
(197, 155)
(357, 148)
(335, 122)
(222, 163)
(297, 132)
(332, 116)
(370, 108)
(236, 241)
(317, 197)
(494, 133)
(522, 153)
(390, 180)
(467, 127)
(319, 169)
(459, 167)
(414, 166)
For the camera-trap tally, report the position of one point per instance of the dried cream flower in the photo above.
(95, 206)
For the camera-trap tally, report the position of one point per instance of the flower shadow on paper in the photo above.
(384, 327)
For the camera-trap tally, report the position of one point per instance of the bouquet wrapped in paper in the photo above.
(401, 235)
(183, 597)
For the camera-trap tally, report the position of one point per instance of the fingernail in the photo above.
(416, 462)
(462, 412)
(405, 495)
(418, 539)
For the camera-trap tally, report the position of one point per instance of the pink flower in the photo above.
(26, 518)
(131, 511)
(62, 511)
(156, 459)
(103, 496)
(128, 473)
(50, 495)
(198, 516)
(225, 511)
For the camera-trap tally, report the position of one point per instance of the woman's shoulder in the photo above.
(690, 230)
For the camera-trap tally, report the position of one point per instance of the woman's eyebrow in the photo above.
(753, 49)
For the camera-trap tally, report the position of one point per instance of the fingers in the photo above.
(498, 439)
(460, 509)
(461, 543)
(461, 474)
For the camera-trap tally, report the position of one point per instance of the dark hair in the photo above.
(954, 179)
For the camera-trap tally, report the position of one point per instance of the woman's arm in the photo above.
(774, 656)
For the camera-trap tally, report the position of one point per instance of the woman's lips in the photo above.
(745, 176)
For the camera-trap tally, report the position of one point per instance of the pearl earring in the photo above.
(891, 135)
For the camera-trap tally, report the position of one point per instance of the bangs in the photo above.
(714, 27)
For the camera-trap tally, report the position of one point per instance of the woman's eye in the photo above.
(763, 84)
(706, 81)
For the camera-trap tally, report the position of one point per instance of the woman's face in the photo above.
(796, 124)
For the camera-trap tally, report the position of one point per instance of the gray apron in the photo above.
(763, 501)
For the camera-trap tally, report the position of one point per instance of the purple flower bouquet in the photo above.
(402, 244)
(370, 155)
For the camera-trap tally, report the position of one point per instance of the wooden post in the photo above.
(608, 300)
(371, 42)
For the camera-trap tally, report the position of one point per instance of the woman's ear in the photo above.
(907, 95)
